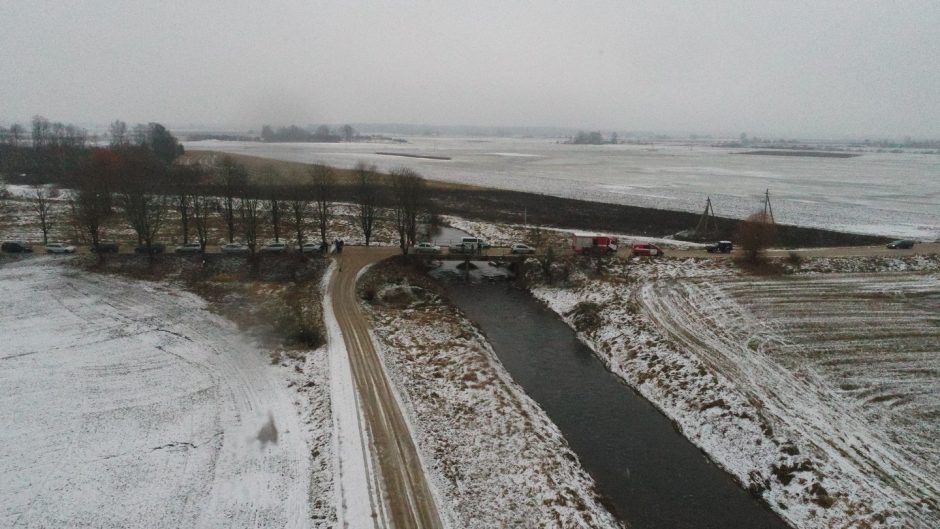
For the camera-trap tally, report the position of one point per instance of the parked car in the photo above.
(274, 247)
(234, 248)
(190, 247)
(426, 248)
(311, 247)
(720, 247)
(155, 248)
(647, 249)
(105, 247)
(520, 248)
(469, 245)
(902, 244)
(59, 247)
(16, 247)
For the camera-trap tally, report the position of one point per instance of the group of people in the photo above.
(338, 245)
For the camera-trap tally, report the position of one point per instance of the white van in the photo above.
(470, 244)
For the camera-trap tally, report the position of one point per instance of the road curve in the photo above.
(408, 497)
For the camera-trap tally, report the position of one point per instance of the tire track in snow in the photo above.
(703, 318)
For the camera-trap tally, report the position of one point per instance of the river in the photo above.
(654, 477)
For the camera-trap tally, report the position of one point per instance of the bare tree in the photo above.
(755, 234)
(272, 192)
(367, 192)
(16, 133)
(536, 237)
(233, 178)
(143, 196)
(323, 183)
(202, 206)
(43, 206)
(410, 205)
(91, 202)
(299, 207)
(182, 179)
(348, 132)
(119, 136)
(42, 131)
(251, 211)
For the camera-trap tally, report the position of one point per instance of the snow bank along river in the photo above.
(127, 404)
(653, 475)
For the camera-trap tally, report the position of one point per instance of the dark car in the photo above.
(190, 247)
(274, 247)
(105, 247)
(720, 247)
(155, 248)
(16, 247)
(902, 244)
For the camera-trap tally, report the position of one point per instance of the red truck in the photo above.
(586, 243)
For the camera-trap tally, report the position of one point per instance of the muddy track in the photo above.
(408, 497)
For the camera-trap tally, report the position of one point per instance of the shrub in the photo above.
(795, 259)
(586, 316)
(754, 235)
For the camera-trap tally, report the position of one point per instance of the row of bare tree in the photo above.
(133, 182)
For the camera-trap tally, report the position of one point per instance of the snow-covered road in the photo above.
(128, 404)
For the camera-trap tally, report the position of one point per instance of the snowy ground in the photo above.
(20, 221)
(128, 404)
(492, 453)
(507, 234)
(818, 391)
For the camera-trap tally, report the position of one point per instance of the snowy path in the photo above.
(127, 404)
(407, 495)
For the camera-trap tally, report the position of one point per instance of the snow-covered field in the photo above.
(893, 194)
(128, 404)
(818, 391)
(493, 455)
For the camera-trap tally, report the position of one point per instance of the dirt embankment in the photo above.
(507, 206)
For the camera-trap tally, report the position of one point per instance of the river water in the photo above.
(654, 477)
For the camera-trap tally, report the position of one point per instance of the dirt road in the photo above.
(837, 251)
(407, 494)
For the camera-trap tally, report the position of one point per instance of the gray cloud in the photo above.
(786, 68)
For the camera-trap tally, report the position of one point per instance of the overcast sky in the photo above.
(808, 69)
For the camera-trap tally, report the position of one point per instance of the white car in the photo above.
(426, 248)
(311, 247)
(520, 248)
(59, 247)
(234, 247)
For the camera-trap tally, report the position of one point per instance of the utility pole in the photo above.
(768, 209)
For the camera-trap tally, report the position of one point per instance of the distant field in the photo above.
(890, 194)
(292, 172)
(809, 154)
(850, 362)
